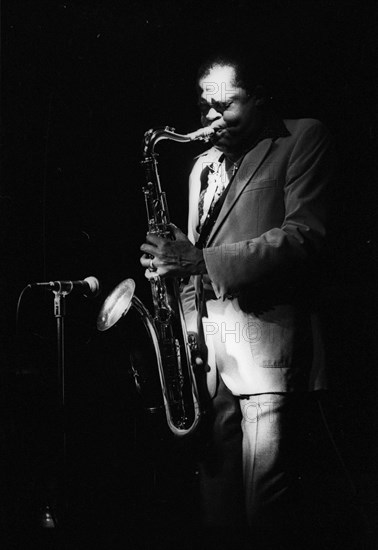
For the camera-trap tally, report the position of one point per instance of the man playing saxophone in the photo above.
(256, 230)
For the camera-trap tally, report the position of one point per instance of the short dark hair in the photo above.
(248, 71)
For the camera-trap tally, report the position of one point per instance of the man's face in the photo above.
(220, 99)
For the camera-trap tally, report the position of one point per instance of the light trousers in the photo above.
(259, 477)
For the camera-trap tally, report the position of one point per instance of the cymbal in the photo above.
(116, 305)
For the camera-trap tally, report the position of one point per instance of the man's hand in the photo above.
(167, 258)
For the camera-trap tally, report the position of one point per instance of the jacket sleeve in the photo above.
(232, 267)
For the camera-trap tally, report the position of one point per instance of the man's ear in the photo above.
(259, 95)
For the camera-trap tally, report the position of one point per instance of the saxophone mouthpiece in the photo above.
(206, 132)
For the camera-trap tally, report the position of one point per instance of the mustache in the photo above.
(218, 125)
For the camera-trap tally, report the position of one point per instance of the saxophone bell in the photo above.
(116, 305)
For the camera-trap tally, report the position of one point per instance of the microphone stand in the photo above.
(49, 518)
(61, 289)
(59, 313)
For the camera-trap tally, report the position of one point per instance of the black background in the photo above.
(82, 82)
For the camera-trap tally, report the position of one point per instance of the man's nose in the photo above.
(212, 115)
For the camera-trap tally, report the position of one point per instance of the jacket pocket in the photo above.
(260, 184)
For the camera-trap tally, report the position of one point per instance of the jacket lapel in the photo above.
(247, 170)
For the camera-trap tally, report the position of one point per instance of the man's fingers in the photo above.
(145, 260)
(150, 274)
(178, 234)
(153, 239)
(148, 249)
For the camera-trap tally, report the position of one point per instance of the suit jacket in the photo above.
(254, 310)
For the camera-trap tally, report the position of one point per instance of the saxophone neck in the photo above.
(153, 136)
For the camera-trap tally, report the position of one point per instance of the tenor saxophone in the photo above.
(176, 351)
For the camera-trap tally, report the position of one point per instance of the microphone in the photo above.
(89, 286)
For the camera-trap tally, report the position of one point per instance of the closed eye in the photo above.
(218, 106)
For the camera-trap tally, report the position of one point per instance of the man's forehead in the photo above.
(219, 76)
